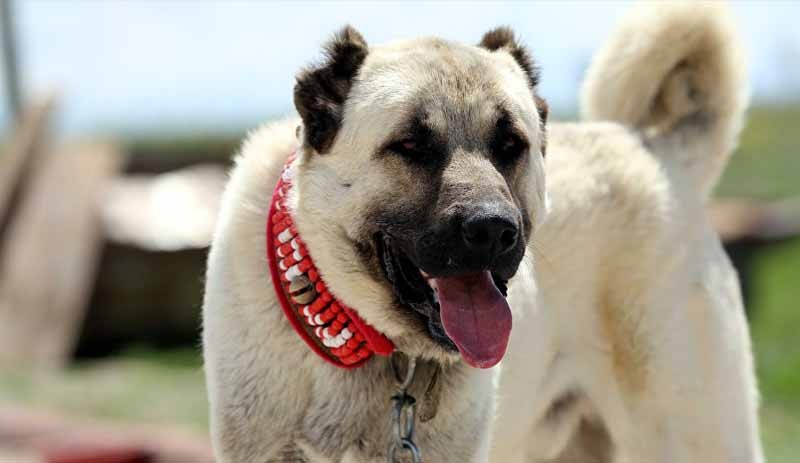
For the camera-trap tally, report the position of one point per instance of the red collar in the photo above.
(332, 330)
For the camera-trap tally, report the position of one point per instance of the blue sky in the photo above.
(159, 67)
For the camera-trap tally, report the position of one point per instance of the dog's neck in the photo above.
(331, 329)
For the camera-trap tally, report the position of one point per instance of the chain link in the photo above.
(404, 415)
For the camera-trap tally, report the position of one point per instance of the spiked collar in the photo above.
(331, 329)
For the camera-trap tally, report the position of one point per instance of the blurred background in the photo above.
(119, 119)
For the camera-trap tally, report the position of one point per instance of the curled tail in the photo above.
(675, 73)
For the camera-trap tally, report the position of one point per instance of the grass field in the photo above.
(146, 386)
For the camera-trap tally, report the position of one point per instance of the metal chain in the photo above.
(404, 414)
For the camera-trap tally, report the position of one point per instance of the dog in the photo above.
(438, 209)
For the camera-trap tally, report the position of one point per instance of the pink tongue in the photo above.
(476, 317)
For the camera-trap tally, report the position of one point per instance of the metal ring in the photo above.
(403, 380)
(397, 414)
(410, 418)
(404, 415)
(408, 446)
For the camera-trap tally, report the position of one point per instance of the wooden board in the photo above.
(49, 255)
(34, 435)
(20, 152)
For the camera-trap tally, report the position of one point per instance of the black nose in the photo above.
(492, 234)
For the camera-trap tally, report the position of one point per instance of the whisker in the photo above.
(541, 255)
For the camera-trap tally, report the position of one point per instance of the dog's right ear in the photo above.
(503, 38)
(320, 91)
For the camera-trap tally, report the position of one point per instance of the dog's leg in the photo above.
(589, 444)
(539, 408)
(255, 401)
(695, 400)
(256, 380)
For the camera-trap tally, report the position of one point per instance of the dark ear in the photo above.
(320, 91)
(502, 38)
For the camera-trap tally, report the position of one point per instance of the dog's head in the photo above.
(419, 184)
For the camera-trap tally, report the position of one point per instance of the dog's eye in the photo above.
(417, 145)
(509, 147)
(408, 147)
(507, 144)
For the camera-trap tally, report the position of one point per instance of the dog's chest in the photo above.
(349, 420)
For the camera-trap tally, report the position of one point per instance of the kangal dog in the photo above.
(437, 204)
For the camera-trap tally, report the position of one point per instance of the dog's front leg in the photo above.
(658, 436)
(256, 406)
(257, 384)
(697, 401)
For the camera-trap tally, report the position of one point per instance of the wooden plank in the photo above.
(166, 212)
(21, 149)
(10, 61)
(740, 219)
(50, 254)
(26, 432)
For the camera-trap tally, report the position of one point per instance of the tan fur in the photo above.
(629, 342)
(629, 353)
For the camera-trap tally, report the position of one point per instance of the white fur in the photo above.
(695, 69)
(625, 300)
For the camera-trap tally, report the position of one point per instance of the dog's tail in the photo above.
(675, 73)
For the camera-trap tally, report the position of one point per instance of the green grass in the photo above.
(139, 386)
(167, 387)
(777, 321)
(775, 328)
(767, 163)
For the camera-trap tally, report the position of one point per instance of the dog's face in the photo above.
(419, 184)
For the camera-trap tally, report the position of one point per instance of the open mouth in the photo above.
(466, 312)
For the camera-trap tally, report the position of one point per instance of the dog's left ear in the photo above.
(321, 91)
(504, 39)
